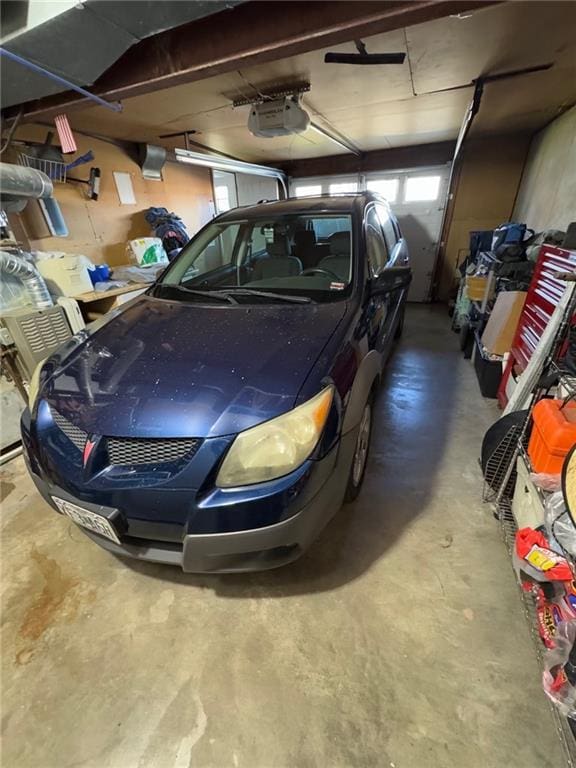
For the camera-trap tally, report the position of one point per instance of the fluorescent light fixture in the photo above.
(221, 164)
(232, 166)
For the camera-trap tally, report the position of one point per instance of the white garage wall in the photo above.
(547, 194)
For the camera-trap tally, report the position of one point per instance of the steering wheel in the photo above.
(320, 270)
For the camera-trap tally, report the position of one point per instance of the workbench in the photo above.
(94, 304)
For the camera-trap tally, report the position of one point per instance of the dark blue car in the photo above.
(218, 421)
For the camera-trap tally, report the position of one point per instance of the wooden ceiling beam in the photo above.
(393, 159)
(249, 34)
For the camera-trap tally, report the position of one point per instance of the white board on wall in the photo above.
(124, 187)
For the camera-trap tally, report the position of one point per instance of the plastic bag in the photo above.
(533, 558)
(134, 274)
(108, 285)
(559, 526)
(546, 482)
(146, 250)
(559, 677)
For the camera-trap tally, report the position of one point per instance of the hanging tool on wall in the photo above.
(93, 181)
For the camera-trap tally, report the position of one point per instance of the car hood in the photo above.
(177, 369)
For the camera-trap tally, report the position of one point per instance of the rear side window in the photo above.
(375, 244)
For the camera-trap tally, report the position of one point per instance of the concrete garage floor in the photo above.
(398, 640)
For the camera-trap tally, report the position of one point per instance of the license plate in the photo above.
(87, 519)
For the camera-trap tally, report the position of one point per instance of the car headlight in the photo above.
(278, 446)
(34, 385)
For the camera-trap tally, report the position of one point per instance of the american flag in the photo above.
(65, 134)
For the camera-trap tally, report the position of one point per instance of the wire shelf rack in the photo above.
(565, 728)
(496, 472)
(54, 169)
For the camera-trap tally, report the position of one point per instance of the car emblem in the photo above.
(88, 448)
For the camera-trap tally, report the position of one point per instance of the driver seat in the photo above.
(278, 263)
(339, 260)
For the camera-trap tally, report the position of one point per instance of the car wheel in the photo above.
(361, 451)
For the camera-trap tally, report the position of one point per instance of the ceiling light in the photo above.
(232, 166)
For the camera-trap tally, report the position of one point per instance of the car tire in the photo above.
(400, 327)
(361, 453)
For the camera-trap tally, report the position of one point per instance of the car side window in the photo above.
(388, 228)
(376, 249)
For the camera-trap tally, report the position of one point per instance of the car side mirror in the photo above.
(391, 279)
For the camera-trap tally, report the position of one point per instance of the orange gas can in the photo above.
(553, 434)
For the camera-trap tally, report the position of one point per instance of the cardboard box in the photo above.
(476, 287)
(66, 276)
(503, 321)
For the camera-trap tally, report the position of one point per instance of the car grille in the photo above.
(124, 451)
(130, 451)
(76, 435)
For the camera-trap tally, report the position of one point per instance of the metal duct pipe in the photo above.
(19, 181)
(33, 281)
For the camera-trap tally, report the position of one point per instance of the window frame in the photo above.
(395, 178)
(352, 183)
(367, 212)
(422, 200)
(389, 220)
(317, 186)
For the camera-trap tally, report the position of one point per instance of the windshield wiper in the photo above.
(205, 294)
(265, 294)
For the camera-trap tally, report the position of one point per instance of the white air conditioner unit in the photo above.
(280, 117)
(37, 333)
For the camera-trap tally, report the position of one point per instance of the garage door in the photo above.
(417, 197)
(233, 189)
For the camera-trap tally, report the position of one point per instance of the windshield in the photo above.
(283, 255)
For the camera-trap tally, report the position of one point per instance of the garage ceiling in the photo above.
(378, 107)
(91, 36)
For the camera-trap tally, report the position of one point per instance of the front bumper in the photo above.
(247, 550)
(259, 548)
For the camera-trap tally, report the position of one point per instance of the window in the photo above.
(307, 190)
(375, 245)
(343, 187)
(269, 254)
(421, 189)
(217, 250)
(325, 227)
(225, 195)
(388, 188)
(222, 199)
(387, 227)
(258, 240)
